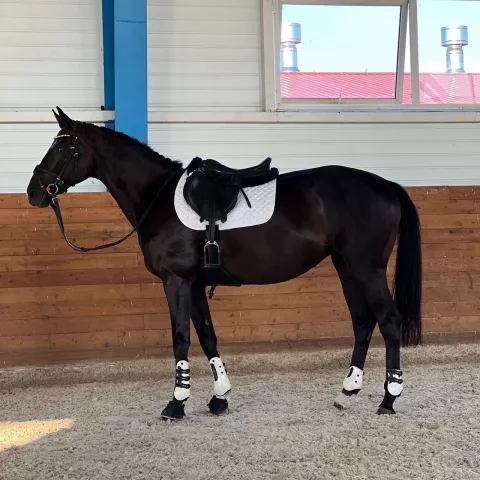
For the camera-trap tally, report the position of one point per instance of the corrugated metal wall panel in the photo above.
(204, 55)
(50, 54)
(445, 154)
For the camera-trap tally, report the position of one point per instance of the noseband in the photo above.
(57, 187)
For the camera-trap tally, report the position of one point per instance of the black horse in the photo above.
(351, 215)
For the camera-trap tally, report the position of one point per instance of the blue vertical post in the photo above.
(108, 57)
(130, 64)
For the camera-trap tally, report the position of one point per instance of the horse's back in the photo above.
(345, 190)
(349, 180)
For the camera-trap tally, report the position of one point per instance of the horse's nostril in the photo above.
(30, 193)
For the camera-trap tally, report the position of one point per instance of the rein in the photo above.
(54, 203)
(53, 189)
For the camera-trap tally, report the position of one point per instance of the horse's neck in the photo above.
(132, 179)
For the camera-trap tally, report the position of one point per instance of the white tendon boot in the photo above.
(221, 383)
(182, 381)
(218, 405)
(394, 382)
(352, 384)
(175, 410)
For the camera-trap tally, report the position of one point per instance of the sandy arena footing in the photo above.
(100, 421)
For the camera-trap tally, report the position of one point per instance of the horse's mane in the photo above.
(142, 148)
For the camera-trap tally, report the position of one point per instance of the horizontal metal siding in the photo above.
(204, 55)
(426, 154)
(50, 54)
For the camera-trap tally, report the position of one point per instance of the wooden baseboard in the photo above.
(238, 348)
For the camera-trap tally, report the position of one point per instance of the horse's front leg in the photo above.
(202, 321)
(179, 297)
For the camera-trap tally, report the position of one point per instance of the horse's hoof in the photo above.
(385, 411)
(218, 406)
(175, 410)
(342, 402)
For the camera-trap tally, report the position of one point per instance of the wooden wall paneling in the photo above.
(59, 304)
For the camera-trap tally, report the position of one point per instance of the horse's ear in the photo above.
(57, 117)
(64, 121)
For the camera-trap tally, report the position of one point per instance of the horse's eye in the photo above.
(60, 149)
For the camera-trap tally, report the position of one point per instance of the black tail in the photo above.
(407, 290)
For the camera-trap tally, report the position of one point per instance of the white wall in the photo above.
(205, 56)
(50, 54)
(442, 154)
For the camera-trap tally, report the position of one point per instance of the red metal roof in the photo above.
(439, 88)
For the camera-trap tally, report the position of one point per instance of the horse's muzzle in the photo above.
(37, 196)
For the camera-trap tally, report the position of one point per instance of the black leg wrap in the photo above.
(175, 410)
(218, 406)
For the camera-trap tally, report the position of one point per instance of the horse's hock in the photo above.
(58, 305)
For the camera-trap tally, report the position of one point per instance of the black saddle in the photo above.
(212, 191)
(222, 172)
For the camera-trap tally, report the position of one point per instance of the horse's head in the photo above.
(67, 162)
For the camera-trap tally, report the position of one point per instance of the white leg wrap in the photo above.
(182, 381)
(354, 379)
(395, 382)
(221, 385)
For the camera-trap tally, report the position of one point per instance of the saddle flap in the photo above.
(210, 199)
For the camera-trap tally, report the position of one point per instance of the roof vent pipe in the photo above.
(291, 37)
(455, 38)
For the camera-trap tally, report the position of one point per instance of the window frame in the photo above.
(271, 33)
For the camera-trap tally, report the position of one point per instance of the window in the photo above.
(324, 54)
(339, 52)
(449, 51)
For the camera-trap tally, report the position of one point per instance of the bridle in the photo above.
(57, 187)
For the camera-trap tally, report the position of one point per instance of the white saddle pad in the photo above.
(262, 199)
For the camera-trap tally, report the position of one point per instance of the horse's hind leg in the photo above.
(202, 322)
(390, 324)
(363, 326)
(382, 308)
